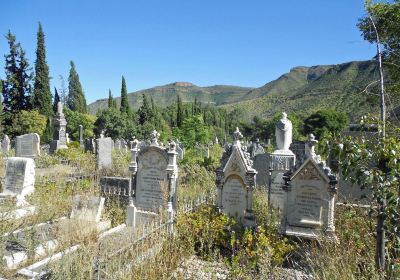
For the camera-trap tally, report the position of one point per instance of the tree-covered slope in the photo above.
(167, 94)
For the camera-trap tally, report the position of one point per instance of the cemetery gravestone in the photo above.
(87, 208)
(281, 160)
(156, 172)
(60, 137)
(261, 163)
(90, 145)
(235, 180)
(20, 178)
(104, 148)
(5, 144)
(27, 145)
(310, 193)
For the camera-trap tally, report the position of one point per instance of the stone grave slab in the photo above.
(27, 145)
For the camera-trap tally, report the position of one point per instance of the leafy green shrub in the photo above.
(207, 229)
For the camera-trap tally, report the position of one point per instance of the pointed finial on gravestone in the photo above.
(311, 144)
(172, 146)
(154, 137)
(237, 135)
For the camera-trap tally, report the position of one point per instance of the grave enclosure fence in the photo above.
(148, 242)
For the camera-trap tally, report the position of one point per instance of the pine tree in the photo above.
(179, 113)
(56, 100)
(110, 99)
(124, 98)
(41, 92)
(76, 98)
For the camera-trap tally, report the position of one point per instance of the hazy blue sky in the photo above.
(205, 42)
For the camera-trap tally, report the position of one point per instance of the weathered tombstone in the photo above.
(310, 193)
(87, 208)
(117, 144)
(60, 130)
(281, 160)
(90, 145)
(235, 180)
(81, 136)
(27, 145)
(298, 148)
(255, 148)
(104, 146)
(116, 187)
(20, 178)
(155, 173)
(5, 144)
(261, 165)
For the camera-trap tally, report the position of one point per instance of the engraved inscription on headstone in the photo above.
(234, 197)
(20, 176)
(151, 180)
(104, 148)
(308, 206)
(27, 145)
(278, 196)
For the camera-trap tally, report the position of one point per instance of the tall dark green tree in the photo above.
(56, 100)
(17, 84)
(41, 89)
(110, 99)
(124, 98)
(145, 113)
(179, 113)
(76, 97)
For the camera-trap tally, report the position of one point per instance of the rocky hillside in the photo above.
(302, 90)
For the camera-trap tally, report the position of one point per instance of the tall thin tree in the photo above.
(124, 98)
(56, 100)
(110, 99)
(76, 97)
(41, 91)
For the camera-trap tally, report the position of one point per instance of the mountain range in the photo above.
(301, 90)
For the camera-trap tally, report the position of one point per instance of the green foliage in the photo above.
(115, 124)
(76, 100)
(41, 91)
(386, 17)
(194, 131)
(111, 102)
(28, 122)
(74, 119)
(125, 108)
(179, 113)
(48, 132)
(56, 100)
(325, 121)
(145, 112)
(374, 164)
(16, 86)
(206, 228)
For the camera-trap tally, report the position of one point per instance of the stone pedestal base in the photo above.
(56, 145)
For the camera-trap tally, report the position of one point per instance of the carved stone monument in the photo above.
(118, 187)
(5, 144)
(281, 160)
(27, 145)
(255, 148)
(104, 147)
(310, 193)
(60, 130)
(20, 179)
(235, 180)
(155, 172)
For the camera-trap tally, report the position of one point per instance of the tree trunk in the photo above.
(380, 240)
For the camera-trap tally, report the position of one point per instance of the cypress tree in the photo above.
(110, 99)
(23, 101)
(10, 84)
(41, 92)
(56, 100)
(179, 113)
(124, 98)
(76, 97)
(145, 113)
